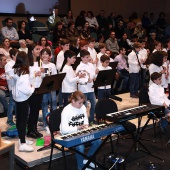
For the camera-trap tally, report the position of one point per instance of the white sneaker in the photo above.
(91, 163)
(28, 142)
(88, 169)
(47, 130)
(25, 148)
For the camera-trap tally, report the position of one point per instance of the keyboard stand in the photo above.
(90, 159)
(137, 139)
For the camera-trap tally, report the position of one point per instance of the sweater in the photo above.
(72, 117)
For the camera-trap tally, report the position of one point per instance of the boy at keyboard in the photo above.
(73, 119)
(158, 97)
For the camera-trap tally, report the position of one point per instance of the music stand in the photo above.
(113, 64)
(49, 84)
(104, 78)
(77, 62)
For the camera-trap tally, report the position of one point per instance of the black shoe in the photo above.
(39, 135)
(32, 134)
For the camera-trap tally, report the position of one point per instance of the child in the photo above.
(133, 60)
(102, 48)
(65, 45)
(21, 91)
(104, 91)
(92, 51)
(8, 67)
(86, 84)
(49, 69)
(69, 84)
(69, 124)
(158, 97)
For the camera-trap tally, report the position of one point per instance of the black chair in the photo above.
(106, 106)
(53, 121)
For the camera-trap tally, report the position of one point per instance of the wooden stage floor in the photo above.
(35, 158)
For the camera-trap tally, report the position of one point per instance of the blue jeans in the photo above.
(125, 76)
(134, 83)
(3, 100)
(103, 93)
(65, 97)
(11, 107)
(91, 97)
(163, 121)
(45, 101)
(94, 145)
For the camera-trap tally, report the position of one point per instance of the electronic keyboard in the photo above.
(89, 134)
(132, 113)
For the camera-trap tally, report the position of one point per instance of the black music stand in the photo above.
(104, 78)
(77, 62)
(113, 64)
(49, 84)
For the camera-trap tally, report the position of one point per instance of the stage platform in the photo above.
(36, 158)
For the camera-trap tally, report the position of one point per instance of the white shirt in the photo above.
(154, 68)
(35, 81)
(21, 87)
(69, 83)
(24, 49)
(49, 69)
(157, 95)
(60, 60)
(133, 63)
(8, 68)
(72, 117)
(93, 53)
(143, 55)
(89, 68)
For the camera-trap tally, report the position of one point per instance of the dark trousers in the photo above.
(35, 105)
(22, 109)
(65, 97)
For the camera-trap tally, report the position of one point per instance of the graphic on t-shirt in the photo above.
(47, 71)
(77, 120)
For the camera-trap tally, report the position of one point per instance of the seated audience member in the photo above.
(80, 20)
(124, 42)
(72, 33)
(85, 31)
(158, 97)
(69, 124)
(68, 18)
(3, 84)
(24, 33)
(139, 30)
(122, 68)
(6, 48)
(58, 32)
(104, 91)
(119, 30)
(53, 19)
(112, 44)
(93, 24)
(8, 67)
(9, 32)
(23, 46)
(101, 21)
(75, 46)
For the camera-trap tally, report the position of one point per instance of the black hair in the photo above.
(84, 53)
(157, 58)
(13, 51)
(67, 54)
